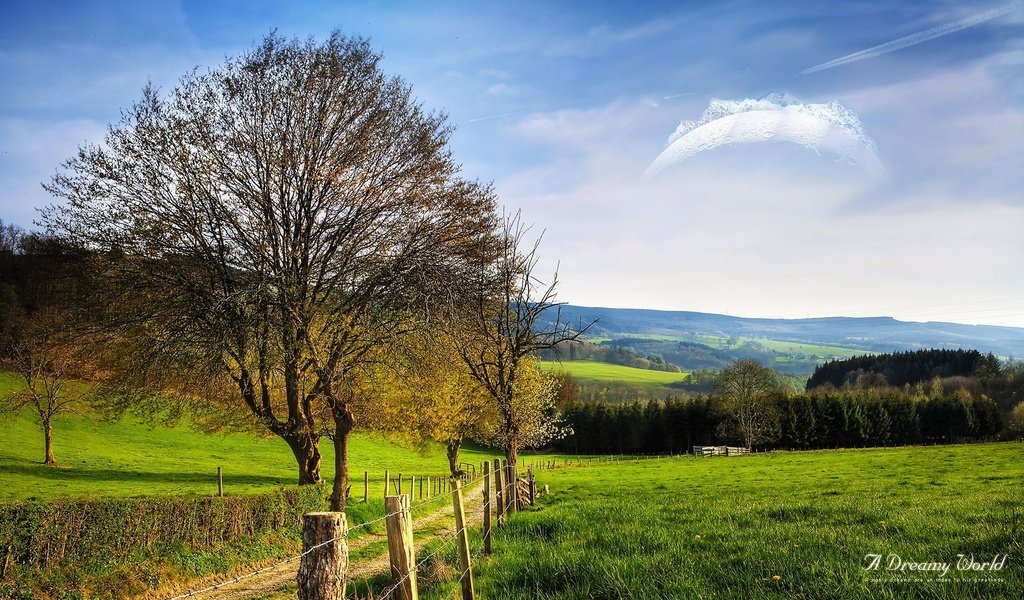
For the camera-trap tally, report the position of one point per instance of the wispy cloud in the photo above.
(524, 112)
(918, 38)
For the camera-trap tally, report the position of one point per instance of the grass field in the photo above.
(599, 371)
(128, 458)
(794, 525)
(811, 350)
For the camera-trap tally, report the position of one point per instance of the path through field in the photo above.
(270, 583)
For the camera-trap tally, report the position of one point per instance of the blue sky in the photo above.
(564, 105)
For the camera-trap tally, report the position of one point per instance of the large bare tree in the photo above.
(266, 224)
(514, 316)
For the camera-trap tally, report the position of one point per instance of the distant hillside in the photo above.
(696, 340)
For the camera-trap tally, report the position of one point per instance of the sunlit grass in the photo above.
(129, 458)
(599, 371)
(777, 525)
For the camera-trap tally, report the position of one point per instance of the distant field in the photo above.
(816, 350)
(718, 342)
(599, 371)
(793, 525)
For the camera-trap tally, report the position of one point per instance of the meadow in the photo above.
(795, 525)
(799, 524)
(599, 371)
(130, 458)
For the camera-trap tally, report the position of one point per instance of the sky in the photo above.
(759, 208)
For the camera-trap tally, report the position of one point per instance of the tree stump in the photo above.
(325, 556)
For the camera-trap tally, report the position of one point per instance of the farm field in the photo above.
(821, 351)
(599, 371)
(769, 526)
(129, 458)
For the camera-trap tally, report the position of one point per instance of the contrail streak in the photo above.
(917, 38)
(679, 95)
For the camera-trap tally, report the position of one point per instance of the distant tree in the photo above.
(748, 391)
(568, 390)
(512, 318)
(47, 355)
(264, 226)
(1015, 423)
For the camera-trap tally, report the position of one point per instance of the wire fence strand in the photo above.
(239, 578)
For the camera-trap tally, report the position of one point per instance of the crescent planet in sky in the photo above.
(827, 129)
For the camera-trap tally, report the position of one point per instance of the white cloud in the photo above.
(503, 89)
(762, 233)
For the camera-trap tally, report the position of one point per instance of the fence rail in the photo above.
(720, 451)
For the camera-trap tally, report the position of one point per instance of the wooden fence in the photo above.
(324, 558)
(507, 489)
(719, 451)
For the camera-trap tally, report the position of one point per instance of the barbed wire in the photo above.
(239, 578)
(415, 568)
(509, 492)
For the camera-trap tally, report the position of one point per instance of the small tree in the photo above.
(533, 412)
(512, 317)
(747, 391)
(46, 355)
(426, 393)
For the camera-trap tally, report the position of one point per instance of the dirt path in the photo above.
(265, 584)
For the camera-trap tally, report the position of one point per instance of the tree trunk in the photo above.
(343, 422)
(512, 454)
(48, 442)
(453, 456)
(307, 454)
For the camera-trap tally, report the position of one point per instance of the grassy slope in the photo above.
(724, 527)
(131, 459)
(599, 371)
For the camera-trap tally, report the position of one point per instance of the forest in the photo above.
(833, 419)
(902, 368)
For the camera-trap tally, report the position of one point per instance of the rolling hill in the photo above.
(873, 334)
(695, 341)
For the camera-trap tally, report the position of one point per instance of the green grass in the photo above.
(810, 350)
(727, 527)
(599, 371)
(128, 458)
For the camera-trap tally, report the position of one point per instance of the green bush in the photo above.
(83, 531)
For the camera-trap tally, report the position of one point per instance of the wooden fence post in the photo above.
(7, 563)
(322, 570)
(463, 533)
(421, 487)
(499, 494)
(511, 485)
(400, 547)
(366, 486)
(387, 484)
(220, 482)
(533, 488)
(486, 473)
(399, 492)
